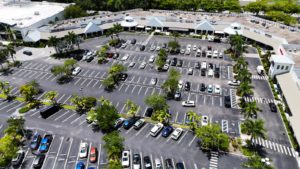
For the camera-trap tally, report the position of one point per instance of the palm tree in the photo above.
(10, 50)
(255, 162)
(3, 57)
(254, 128)
(117, 28)
(5, 89)
(51, 95)
(71, 38)
(243, 75)
(244, 89)
(175, 35)
(131, 107)
(250, 109)
(163, 116)
(53, 41)
(236, 42)
(193, 120)
(240, 64)
(11, 34)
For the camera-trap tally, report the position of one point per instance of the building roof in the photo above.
(32, 36)
(91, 27)
(290, 89)
(205, 25)
(282, 59)
(155, 22)
(129, 22)
(26, 14)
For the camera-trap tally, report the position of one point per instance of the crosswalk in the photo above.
(258, 77)
(230, 72)
(233, 99)
(260, 100)
(213, 163)
(275, 146)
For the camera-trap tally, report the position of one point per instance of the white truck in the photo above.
(260, 70)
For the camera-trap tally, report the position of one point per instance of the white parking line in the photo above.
(83, 82)
(141, 129)
(127, 88)
(77, 81)
(67, 99)
(2, 108)
(61, 115)
(195, 165)
(97, 81)
(62, 138)
(103, 75)
(89, 83)
(176, 117)
(89, 152)
(58, 100)
(162, 162)
(140, 90)
(123, 108)
(99, 152)
(182, 137)
(75, 120)
(68, 153)
(69, 117)
(15, 107)
(133, 89)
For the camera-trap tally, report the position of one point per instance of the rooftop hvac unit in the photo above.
(36, 13)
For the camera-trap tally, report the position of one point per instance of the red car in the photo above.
(93, 154)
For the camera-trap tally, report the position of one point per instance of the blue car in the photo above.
(45, 143)
(80, 165)
(35, 142)
(91, 168)
(129, 123)
(167, 131)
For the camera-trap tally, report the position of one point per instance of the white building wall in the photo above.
(279, 68)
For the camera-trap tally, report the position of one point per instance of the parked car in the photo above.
(119, 122)
(215, 54)
(167, 131)
(151, 59)
(38, 161)
(83, 150)
(125, 158)
(174, 62)
(188, 51)
(182, 51)
(227, 101)
(177, 133)
(180, 84)
(35, 142)
(157, 163)
(197, 65)
(27, 52)
(93, 155)
(143, 65)
(18, 159)
(166, 67)
(202, 87)
(169, 164)
(76, 71)
(187, 86)
(177, 95)
(179, 165)
(149, 112)
(129, 122)
(204, 120)
(124, 45)
(139, 124)
(45, 143)
(217, 89)
(210, 73)
(273, 107)
(122, 76)
(125, 57)
(203, 73)
(152, 48)
(147, 162)
(194, 47)
(80, 165)
(156, 129)
(179, 63)
(190, 71)
(142, 48)
(153, 81)
(234, 82)
(157, 48)
(210, 88)
(136, 161)
(188, 103)
(133, 41)
(131, 64)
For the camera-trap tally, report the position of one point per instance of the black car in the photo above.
(116, 55)
(227, 101)
(35, 142)
(149, 112)
(210, 66)
(38, 161)
(27, 52)
(17, 160)
(273, 107)
(122, 76)
(187, 86)
(202, 87)
(174, 62)
(147, 162)
(142, 48)
(217, 74)
(203, 73)
(179, 63)
(169, 164)
(90, 59)
(133, 41)
(136, 159)
(179, 165)
(164, 45)
(129, 122)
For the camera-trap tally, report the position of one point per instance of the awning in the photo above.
(148, 28)
(140, 26)
(179, 29)
(157, 30)
(219, 32)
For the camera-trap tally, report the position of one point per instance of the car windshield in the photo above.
(125, 159)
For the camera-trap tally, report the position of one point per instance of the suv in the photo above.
(156, 129)
(179, 63)
(157, 164)
(27, 52)
(273, 107)
(197, 65)
(202, 87)
(142, 48)
(149, 112)
(147, 162)
(174, 62)
(177, 95)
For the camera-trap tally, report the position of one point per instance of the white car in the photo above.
(234, 82)
(210, 73)
(204, 120)
(195, 48)
(157, 163)
(190, 71)
(220, 55)
(152, 48)
(76, 71)
(209, 88)
(151, 59)
(217, 89)
(125, 57)
(188, 47)
(177, 133)
(188, 51)
(166, 67)
(182, 51)
(208, 53)
(188, 103)
(131, 64)
(180, 84)
(153, 81)
(156, 129)
(143, 65)
(125, 159)
(124, 45)
(83, 152)
(215, 54)
(157, 48)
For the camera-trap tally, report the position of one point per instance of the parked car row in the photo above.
(137, 162)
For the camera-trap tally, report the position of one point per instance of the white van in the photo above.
(260, 70)
(203, 65)
(156, 129)
(215, 54)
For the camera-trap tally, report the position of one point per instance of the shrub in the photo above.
(24, 109)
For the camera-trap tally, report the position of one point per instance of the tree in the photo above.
(115, 70)
(212, 138)
(250, 109)
(236, 44)
(157, 102)
(8, 150)
(114, 164)
(5, 89)
(51, 95)
(175, 34)
(10, 50)
(170, 86)
(240, 64)
(244, 89)
(254, 128)
(115, 5)
(113, 144)
(74, 11)
(70, 63)
(105, 115)
(117, 28)
(194, 120)
(232, 5)
(28, 91)
(3, 57)
(255, 162)
(83, 104)
(162, 116)
(256, 7)
(108, 83)
(53, 41)
(72, 39)
(58, 70)
(173, 45)
(161, 59)
(131, 108)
